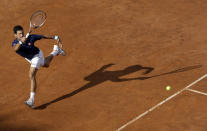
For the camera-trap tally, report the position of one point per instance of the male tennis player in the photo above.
(25, 47)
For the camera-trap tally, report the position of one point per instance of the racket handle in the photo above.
(27, 35)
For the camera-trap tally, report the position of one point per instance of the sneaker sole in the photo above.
(62, 52)
(31, 106)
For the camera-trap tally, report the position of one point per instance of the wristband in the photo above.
(56, 37)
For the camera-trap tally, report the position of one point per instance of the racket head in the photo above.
(37, 19)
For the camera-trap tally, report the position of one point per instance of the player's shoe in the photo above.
(61, 52)
(29, 103)
(58, 50)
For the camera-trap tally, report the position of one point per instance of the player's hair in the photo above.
(17, 28)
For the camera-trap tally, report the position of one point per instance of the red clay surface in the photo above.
(100, 85)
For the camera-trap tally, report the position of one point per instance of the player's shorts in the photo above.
(37, 61)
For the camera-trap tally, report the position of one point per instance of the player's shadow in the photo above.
(103, 75)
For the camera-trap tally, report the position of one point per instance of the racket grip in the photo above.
(27, 35)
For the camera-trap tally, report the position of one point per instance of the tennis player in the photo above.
(25, 47)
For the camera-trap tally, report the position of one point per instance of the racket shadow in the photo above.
(103, 75)
(172, 72)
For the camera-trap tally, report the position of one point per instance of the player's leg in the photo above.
(32, 76)
(56, 51)
(48, 60)
(35, 65)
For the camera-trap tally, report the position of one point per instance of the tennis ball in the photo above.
(168, 88)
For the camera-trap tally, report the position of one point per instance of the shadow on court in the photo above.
(103, 75)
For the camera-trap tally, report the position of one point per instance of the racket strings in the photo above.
(38, 19)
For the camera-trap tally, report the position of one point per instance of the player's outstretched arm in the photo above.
(51, 37)
(55, 37)
(48, 36)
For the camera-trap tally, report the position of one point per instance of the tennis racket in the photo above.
(37, 19)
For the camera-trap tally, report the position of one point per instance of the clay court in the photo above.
(121, 54)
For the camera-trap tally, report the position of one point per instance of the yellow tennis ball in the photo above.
(168, 88)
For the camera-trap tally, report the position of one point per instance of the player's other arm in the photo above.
(18, 45)
(22, 46)
(55, 37)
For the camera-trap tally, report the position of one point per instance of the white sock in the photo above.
(54, 53)
(32, 95)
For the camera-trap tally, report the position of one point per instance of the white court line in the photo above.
(199, 92)
(162, 102)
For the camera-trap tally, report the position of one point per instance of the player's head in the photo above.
(18, 31)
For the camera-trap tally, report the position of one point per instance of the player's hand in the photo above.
(23, 39)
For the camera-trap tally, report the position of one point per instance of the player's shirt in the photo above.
(28, 49)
